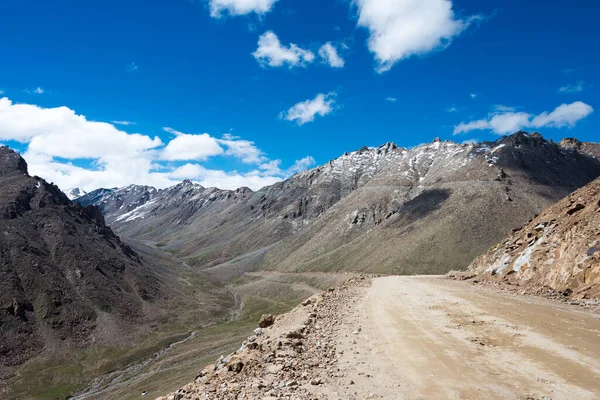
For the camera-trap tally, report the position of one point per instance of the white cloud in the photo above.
(239, 7)
(124, 123)
(244, 150)
(400, 29)
(473, 95)
(191, 147)
(505, 122)
(272, 167)
(37, 90)
(306, 111)
(61, 132)
(270, 52)
(573, 88)
(391, 99)
(330, 54)
(565, 115)
(68, 149)
(452, 109)
(301, 165)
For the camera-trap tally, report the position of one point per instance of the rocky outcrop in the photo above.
(289, 359)
(558, 250)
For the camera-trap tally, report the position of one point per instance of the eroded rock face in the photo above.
(559, 249)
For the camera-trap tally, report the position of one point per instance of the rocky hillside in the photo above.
(559, 249)
(288, 356)
(66, 280)
(428, 209)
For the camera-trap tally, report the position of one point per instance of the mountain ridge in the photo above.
(354, 212)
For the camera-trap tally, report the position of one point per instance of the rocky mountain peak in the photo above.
(570, 143)
(244, 190)
(523, 138)
(11, 161)
(75, 193)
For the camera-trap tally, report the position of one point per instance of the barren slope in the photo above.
(559, 249)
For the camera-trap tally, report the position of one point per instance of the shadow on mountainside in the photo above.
(422, 205)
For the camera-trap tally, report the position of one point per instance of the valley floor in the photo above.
(432, 338)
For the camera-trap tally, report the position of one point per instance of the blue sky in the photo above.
(412, 71)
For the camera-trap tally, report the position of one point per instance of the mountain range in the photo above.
(429, 209)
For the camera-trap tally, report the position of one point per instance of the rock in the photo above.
(306, 302)
(576, 208)
(295, 335)
(236, 367)
(266, 320)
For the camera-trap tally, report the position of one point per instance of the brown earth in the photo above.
(559, 249)
(414, 338)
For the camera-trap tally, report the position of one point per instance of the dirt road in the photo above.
(432, 338)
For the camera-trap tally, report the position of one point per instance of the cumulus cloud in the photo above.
(61, 132)
(191, 147)
(330, 54)
(271, 52)
(400, 29)
(244, 150)
(574, 88)
(505, 122)
(391, 99)
(239, 7)
(473, 95)
(72, 151)
(452, 109)
(306, 111)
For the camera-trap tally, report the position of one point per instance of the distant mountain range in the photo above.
(429, 209)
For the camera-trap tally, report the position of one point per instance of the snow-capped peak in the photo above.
(75, 193)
